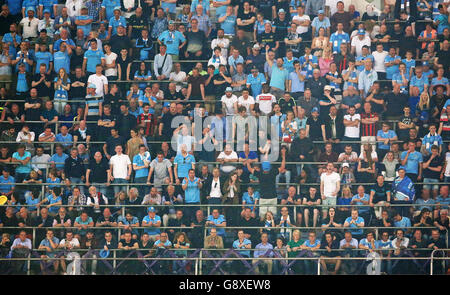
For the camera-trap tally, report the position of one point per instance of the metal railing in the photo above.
(248, 265)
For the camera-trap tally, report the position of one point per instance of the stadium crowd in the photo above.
(328, 126)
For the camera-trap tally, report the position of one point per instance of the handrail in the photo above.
(229, 227)
(252, 249)
(226, 205)
(432, 258)
(174, 184)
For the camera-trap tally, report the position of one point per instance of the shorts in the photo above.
(328, 202)
(429, 186)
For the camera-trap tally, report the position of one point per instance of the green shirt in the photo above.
(293, 244)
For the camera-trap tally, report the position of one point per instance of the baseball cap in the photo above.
(229, 89)
(46, 10)
(320, 11)
(151, 209)
(265, 165)
(345, 165)
(92, 86)
(281, 10)
(256, 46)
(425, 63)
(171, 22)
(327, 87)
(361, 32)
(315, 109)
(31, 8)
(254, 68)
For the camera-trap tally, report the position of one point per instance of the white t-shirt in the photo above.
(265, 101)
(330, 183)
(99, 82)
(246, 102)
(71, 4)
(224, 49)
(74, 242)
(30, 27)
(178, 78)
(301, 29)
(228, 168)
(360, 43)
(120, 165)
(352, 131)
(379, 61)
(229, 103)
(109, 60)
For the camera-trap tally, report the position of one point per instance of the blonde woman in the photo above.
(289, 128)
(325, 61)
(425, 109)
(269, 223)
(346, 197)
(62, 87)
(319, 43)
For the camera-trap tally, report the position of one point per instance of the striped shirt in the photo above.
(149, 122)
(93, 104)
(446, 123)
(368, 129)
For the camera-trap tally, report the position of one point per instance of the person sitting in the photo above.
(403, 190)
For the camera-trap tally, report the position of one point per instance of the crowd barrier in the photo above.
(220, 261)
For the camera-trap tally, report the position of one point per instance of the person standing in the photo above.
(330, 185)
(191, 186)
(120, 169)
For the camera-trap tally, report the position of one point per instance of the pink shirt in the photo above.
(324, 65)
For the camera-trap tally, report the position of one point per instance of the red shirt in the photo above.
(368, 129)
(149, 121)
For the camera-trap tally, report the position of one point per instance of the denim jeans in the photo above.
(77, 180)
(59, 105)
(431, 183)
(143, 189)
(118, 188)
(287, 176)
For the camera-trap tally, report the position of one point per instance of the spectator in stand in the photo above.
(356, 222)
(74, 169)
(120, 169)
(412, 162)
(432, 166)
(329, 188)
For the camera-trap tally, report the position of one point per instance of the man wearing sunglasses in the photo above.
(29, 24)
